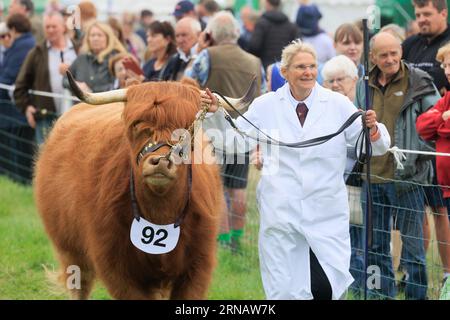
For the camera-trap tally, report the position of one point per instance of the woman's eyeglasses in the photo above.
(303, 67)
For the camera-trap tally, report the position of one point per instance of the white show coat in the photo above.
(301, 196)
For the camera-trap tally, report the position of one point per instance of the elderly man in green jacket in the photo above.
(399, 94)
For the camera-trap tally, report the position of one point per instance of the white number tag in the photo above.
(152, 238)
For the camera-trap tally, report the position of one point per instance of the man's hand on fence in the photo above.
(29, 114)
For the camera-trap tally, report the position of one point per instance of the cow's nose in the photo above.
(160, 160)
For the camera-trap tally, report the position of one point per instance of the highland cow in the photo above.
(96, 160)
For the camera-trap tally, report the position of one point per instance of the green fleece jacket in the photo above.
(417, 96)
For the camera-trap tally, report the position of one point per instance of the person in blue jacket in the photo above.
(19, 27)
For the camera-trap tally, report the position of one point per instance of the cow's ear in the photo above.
(190, 82)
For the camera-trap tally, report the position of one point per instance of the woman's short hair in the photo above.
(166, 30)
(113, 43)
(293, 49)
(339, 64)
(443, 52)
(348, 31)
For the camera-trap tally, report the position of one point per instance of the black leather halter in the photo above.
(152, 147)
(179, 149)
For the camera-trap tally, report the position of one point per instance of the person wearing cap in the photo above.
(308, 16)
(186, 9)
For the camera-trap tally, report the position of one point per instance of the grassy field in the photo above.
(25, 252)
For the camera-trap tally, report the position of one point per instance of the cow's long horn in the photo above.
(96, 98)
(244, 101)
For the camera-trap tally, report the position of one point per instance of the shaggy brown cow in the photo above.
(82, 191)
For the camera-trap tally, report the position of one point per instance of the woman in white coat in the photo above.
(304, 243)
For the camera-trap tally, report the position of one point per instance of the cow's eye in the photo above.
(140, 125)
(136, 123)
(139, 128)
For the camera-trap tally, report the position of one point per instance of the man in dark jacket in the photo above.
(420, 50)
(43, 70)
(22, 42)
(272, 33)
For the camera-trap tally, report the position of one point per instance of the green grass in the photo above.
(25, 250)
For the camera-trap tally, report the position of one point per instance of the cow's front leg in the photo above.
(193, 285)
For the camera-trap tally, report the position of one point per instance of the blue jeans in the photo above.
(357, 259)
(409, 207)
